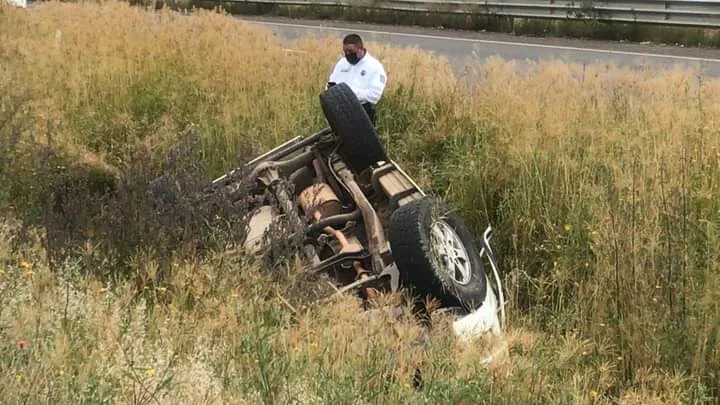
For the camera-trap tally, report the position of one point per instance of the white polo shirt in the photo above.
(366, 78)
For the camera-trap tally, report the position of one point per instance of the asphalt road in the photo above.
(463, 48)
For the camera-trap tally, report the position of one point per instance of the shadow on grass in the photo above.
(155, 206)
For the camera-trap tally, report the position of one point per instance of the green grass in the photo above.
(601, 184)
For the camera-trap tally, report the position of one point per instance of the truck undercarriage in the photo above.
(364, 222)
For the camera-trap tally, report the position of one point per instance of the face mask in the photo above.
(352, 58)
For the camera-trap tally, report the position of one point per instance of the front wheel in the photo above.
(360, 144)
(435, 252)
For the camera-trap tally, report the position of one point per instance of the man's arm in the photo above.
(334, 74)
(373, 89)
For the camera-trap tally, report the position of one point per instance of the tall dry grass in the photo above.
(600, 182)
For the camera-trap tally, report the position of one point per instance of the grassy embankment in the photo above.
(602, 185)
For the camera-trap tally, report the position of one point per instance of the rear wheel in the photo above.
(360, 144)
(435, 253)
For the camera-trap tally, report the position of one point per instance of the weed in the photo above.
(600, 183)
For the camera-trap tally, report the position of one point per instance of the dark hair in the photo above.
(353, 39)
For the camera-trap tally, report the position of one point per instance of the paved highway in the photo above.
(463, 47)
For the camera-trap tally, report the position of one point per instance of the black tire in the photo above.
(410, 240)
(360, 144)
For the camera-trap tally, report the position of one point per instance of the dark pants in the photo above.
(370, 110)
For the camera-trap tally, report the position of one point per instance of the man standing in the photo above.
(362, 72)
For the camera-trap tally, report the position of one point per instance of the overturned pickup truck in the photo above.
(365, 222)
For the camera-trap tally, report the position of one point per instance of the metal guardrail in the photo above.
(697, 13)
